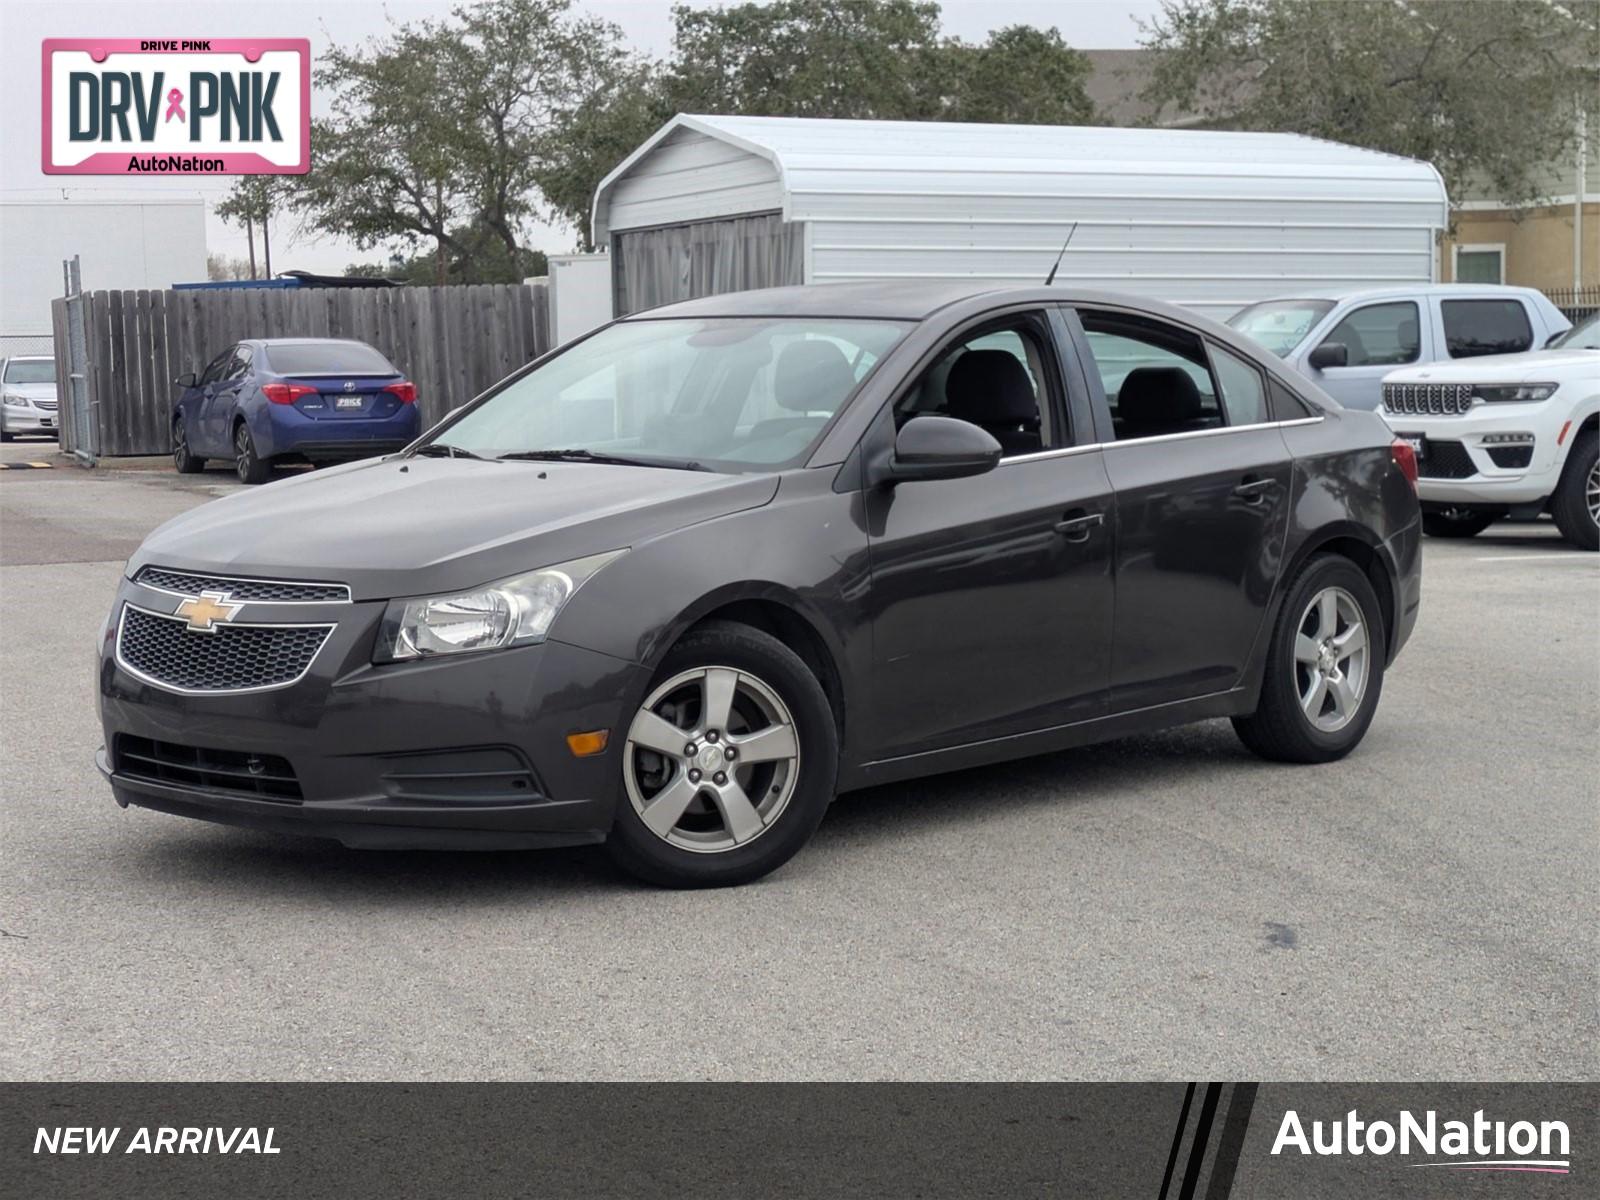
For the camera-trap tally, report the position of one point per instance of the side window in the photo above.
(240, 366)
(1244, 393)
(998, 379)
(1380, 335)
(1156, 376)
(216, 367)
(1474, 327)
(1286, 406)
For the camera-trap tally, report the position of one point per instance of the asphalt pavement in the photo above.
(1156, 908)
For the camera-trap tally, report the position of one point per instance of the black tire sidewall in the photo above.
(1571, 508)
(259, 469)
(1305, 742)
(640, 852)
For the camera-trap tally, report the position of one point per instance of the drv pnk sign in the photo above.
(167, 106)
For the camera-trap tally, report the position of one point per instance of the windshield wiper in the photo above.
(589, 456)
(445, 450)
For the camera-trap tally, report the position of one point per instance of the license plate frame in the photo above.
(345, 403)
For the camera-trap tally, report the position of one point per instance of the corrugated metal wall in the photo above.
(1214, 220)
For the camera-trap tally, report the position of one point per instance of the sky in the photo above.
(647, 24)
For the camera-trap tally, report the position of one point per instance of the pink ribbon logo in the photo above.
(175, 105)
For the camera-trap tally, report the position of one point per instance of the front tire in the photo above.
(183, 460)
(1324, 669)
(247, 465)
(727, 766)
(1576, 505)
(1457, 522)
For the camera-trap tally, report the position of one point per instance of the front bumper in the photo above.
(450, 753)
(1458, 467)
(27, 420)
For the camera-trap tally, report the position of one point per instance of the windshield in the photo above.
(31, 370)
(1585, 335)
(721, 392)
(328, 358)
(1280, 325)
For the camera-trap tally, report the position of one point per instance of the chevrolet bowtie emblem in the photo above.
(204, 611)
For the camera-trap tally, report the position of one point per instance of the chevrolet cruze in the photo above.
(676, 585)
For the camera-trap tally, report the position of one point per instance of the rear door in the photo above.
(1202, 478)
(209, 434)
(991, 595)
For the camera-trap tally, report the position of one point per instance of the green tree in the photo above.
(1486, 91)
(251, 203)
(443, 125)
(1022, 75)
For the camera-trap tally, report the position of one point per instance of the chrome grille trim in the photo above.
(1428, 399)
(210, 642)
(252, 591)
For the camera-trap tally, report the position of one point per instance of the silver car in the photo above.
(28, 395)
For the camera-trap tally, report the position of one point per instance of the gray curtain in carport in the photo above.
(706, 258)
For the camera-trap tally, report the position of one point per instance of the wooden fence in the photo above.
(452, 342)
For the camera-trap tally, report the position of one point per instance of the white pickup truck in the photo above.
(1346, 343)
(1507, 435)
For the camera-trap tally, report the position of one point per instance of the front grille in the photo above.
(231, 658)
(190, 584)
(1428, 399)
(47, 405)
(265, 775)
(1446, 460)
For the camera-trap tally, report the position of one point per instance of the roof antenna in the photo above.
(1051, 278)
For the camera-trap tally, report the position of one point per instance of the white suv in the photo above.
(1506, 435)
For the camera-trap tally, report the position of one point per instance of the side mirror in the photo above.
(930, 447)
(1329, 354)
(187, 380)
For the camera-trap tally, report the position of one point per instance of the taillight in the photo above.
(1406, 459)
(407, 392)
(286, 393)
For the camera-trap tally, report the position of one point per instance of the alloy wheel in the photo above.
(242, 448)
(711, 760)
(1330, 659)
(1591, 492)
(180, 445)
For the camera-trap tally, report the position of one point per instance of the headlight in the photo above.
(17, 401)
(508, 613)
(1495, 393)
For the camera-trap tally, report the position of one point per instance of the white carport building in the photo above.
(1211, 219)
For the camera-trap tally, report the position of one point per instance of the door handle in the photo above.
(1254, 490)
(1076, 525)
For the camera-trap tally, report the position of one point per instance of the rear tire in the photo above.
(7, 437)
(247, 465)
(182, 459)
(1457, 523)
(730, 819)
(1323, 674)
(1576, 504)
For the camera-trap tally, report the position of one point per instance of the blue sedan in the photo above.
(271, 400)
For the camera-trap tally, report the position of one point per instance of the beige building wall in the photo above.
(1538, 244)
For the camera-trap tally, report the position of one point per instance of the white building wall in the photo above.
(1211, 219)
(121, 244)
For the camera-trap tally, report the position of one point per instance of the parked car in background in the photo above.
(1348, 342)
(274, 400)
(28, 395)
(1506, 435)
(675, 585)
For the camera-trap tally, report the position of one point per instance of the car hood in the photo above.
(33, 391)
(1531, 366)
(408, 527)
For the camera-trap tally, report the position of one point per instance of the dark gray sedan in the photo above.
(677, 584)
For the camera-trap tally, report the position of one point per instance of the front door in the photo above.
(1202, 480)
(991, 595)
(1377, 338)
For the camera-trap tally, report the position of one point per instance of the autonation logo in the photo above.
(1476, 1145)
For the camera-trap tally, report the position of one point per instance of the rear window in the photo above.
(328, 358)
(1474, 327)
(31, 370)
